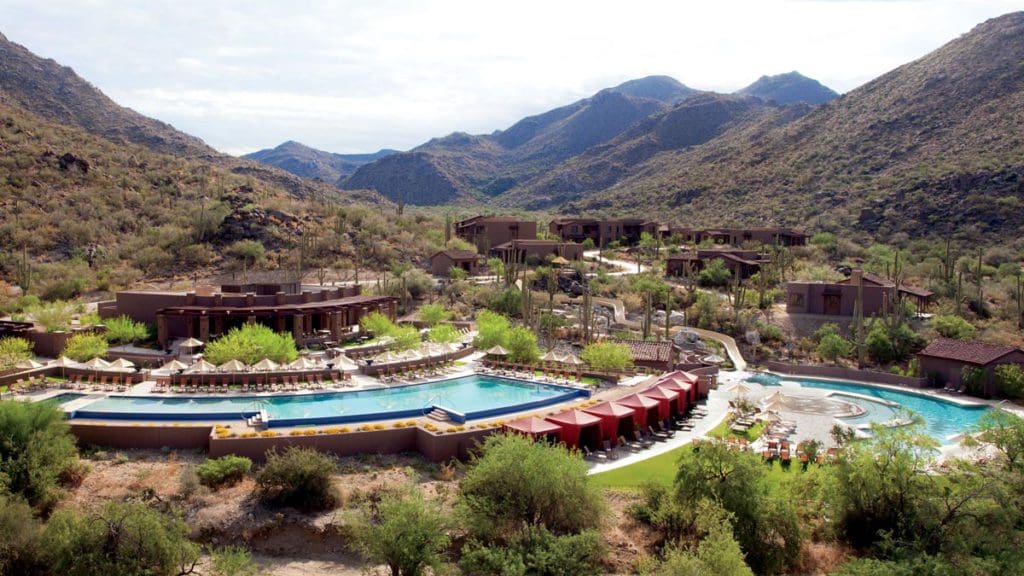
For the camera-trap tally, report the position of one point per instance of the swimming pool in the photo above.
(464, 398)
(942, 418)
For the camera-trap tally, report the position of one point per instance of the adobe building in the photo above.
(313, 314)
(486, 232)
(603, 232)
(443, 261)
(774, 236)
(653, 355)
(745, 263)
(529, 251)
(944, 360)
(839, 298)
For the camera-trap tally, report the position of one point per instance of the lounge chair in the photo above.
(630, 445)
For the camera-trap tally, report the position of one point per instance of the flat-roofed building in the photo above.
(529, 251)
(839, 298)
(746, 263)
(486, 232)
(742, 236)
(603, 231)
(443, 261)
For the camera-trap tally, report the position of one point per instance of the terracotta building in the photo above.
(944, 360)
(746, 263)
(486, 232)
(839, 298)
(526, 251)
(654, 355)
(313, 314)
(442, 262)
(741, 236)
(602, 232)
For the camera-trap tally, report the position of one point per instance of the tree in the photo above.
(456, 273)
(607, 356)
(444, 334)
(1010, 380)
(405, 531)
(833, 347)
(85, 346)
(298, 477)
(124, 330)
(246, 253)
(1005, 431)
(13, 350)
(714, 274)
(517, 483)
(705, 310)
(407, 337)
(251, 343)
(953, 327)
(377, 323)
(432, 314)
(20, 552)
(522, 345)
(123, 538)
(492, 330)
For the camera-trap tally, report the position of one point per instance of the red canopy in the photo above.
(684, 379)
(665, 398)
(574, 423)
(682, 389)
(612, 414)
(534, 426)
(644, 406)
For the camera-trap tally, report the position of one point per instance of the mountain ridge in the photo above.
(309, 162)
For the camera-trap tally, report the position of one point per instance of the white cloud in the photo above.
(359, 76)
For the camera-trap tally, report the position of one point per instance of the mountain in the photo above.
(790, 88)
(470, 168)
(935, 146)
(307, 162)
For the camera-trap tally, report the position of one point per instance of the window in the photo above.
(796, 299)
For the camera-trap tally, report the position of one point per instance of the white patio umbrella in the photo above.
(551, 356)
(122, 364)
(62, 363)
(201, 367)
(28, 364)
(572, 360)
(265, 365)
(385, 357)
(97, 363)
(345, 363)
(174, 366)
(738, 388)
(302, 363)
(498, 350)
(235, 365)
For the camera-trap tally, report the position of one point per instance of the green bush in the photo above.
(233, 561)
(833, 347)
(715, 273)
(1010, 380)
(444, 334)
(250, 344)
(522, 345)
(825, 329)
(433, 314)
(20, 552)
(86, 346)
(13, 350)
(407, 337)
(492, 330)
(124, 330)
(36, 446)
(377, 324)
(405, 532)
(607, 356)
(536, 552)
(953, 327)
(297, 477)
(222, 471)
(123, 538)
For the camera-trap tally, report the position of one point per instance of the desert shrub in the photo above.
(233, 561)
(508, 302)
(832, 347)
(405, 531)
(418, 283)
(124, 330)
(297, 477)
(122, 538)
(492, 330)
(20, 552)
(1010, 380)
(36, 447)
(825, 329)
(85, 346)
(607, 356)
(433, 314)
(953, 327)
(444, 334)
(715, 273)
(13, 350)
(250, 344)
(407, 337)
(536, 552)
(377, 324)
(222, 471)
(770, 332)
(53, 316)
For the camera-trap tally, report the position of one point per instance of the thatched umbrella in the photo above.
(233, 367)
(345, 364)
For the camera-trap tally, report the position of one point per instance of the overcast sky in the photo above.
(356, 77)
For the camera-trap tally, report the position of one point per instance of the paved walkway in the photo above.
(625, 268)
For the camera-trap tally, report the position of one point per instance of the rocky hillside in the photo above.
(307, 162)
(790, 88)
(933, 147)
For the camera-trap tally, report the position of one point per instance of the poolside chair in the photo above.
(594, 455)
(607, 448)
(630, 445)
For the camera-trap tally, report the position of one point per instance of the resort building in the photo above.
(527, 251)
(442, 262)
(486, 232)
(839, 298)
(654, 355)
(313, 314)
(742, 236)
(602, 232)
(943, 361)
(746, 263)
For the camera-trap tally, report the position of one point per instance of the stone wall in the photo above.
(847, 374)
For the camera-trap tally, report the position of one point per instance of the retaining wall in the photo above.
(847, 374)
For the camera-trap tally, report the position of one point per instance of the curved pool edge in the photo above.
(924, 392)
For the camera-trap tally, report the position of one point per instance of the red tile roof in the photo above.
(643, 351)
(979, 353)
(457, 254)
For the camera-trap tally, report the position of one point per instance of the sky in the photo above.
(354, 77)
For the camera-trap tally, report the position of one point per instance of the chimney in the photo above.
(856, 276)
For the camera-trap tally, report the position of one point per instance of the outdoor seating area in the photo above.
(417, 372)
(235, 376)
(547, 374)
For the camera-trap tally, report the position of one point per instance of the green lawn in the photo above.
(662, 469)
(723, 431)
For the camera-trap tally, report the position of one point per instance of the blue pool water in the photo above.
(942, 418)
(63, 398)
(464, 398)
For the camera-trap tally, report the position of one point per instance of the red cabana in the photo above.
(684, 393)
(579, 428)
(536, 428)
(648, 407)
(668, 401)
(685, 378)
(616, 420)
